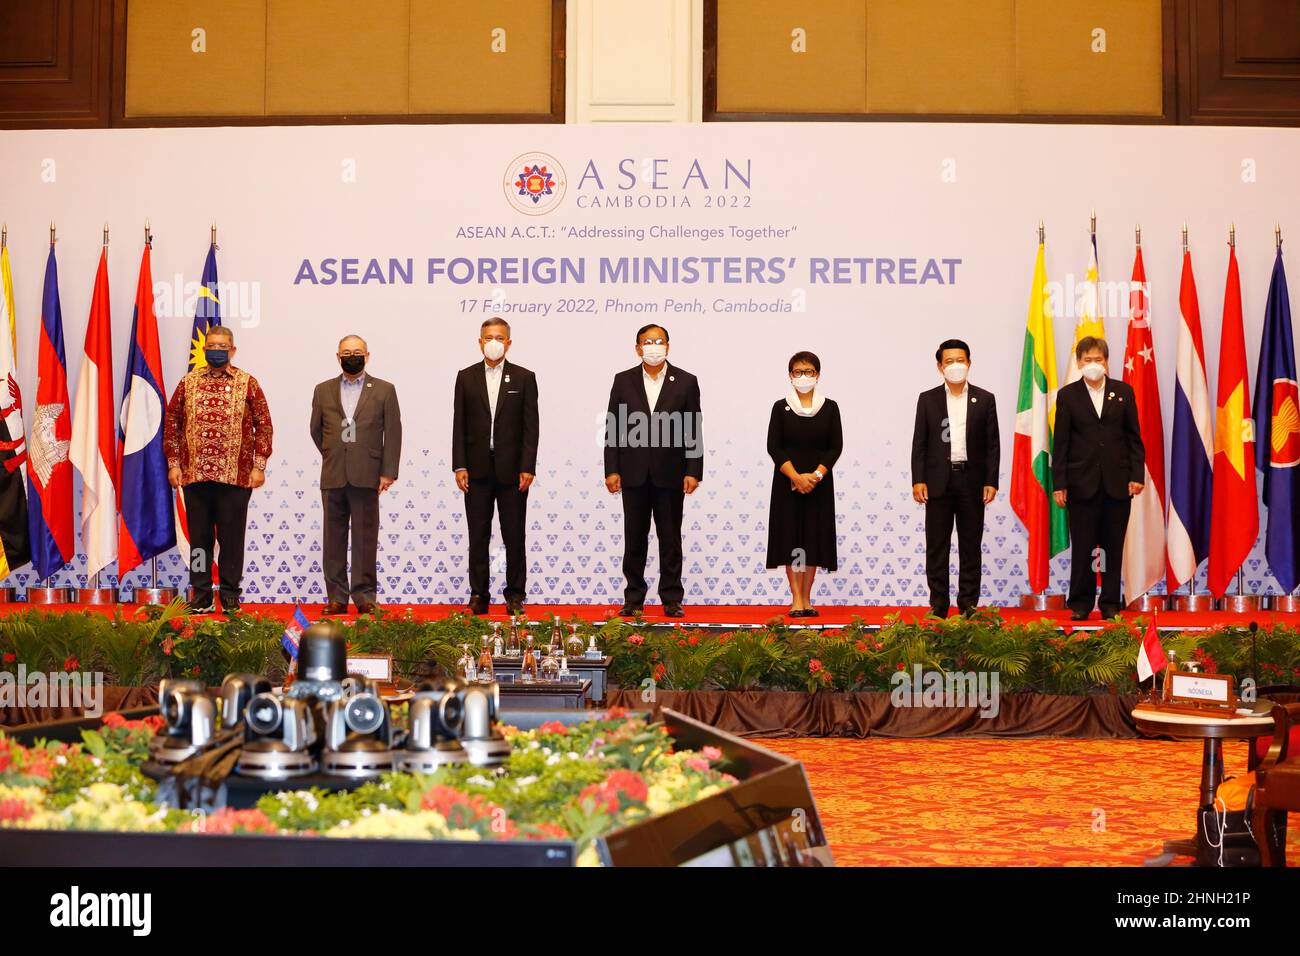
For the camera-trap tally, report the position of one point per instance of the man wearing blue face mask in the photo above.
(217, 438)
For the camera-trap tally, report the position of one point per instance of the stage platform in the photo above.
(730, 616)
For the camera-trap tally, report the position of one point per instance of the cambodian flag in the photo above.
(293, 633)
(1277, 432)
(94, 438)
(1190, 469)
(145, 526)
(49, 473)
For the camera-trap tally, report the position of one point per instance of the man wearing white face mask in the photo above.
(956, 454)
(654, 457)
(1098, 465)
(494, 435)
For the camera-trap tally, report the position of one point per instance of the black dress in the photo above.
(798, 522)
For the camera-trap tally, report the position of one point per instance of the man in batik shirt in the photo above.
(218, 440)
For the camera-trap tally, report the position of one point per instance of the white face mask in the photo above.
(803, 384)
(654, 354)
(1094, 372)
(493, 349)
(956, 372)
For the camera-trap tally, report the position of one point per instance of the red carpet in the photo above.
(1036, 802)
(731, 614)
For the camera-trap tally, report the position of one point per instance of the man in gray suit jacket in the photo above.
(357, 426)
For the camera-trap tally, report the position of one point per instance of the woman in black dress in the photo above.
(804, 439)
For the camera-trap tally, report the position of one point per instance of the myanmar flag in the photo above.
(1031, 471)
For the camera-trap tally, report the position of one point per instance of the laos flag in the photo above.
(145, 527)
(49, 473)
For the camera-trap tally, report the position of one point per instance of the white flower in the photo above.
(60, 760)
(525, 781)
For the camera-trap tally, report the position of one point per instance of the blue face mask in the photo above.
(217, 358)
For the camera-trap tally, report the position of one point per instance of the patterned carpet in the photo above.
(987, 802)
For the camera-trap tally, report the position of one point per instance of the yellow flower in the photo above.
(385, 822)
(589, 856)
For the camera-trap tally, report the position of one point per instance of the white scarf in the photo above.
(796, 406)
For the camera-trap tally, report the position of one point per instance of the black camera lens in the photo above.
(364, 714)
(264, 714)
(173, 709)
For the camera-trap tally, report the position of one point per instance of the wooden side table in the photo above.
(1211, 731)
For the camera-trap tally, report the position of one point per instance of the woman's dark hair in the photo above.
(808, 357)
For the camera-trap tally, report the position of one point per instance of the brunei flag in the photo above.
(14, 549)
(1090, 321)
(1031, 472)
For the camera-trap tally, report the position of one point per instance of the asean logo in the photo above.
(534, 183)
(1285, 437)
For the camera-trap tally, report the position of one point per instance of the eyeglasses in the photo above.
(218, 346)
(806, 372)
(349, 353)
(653, 342)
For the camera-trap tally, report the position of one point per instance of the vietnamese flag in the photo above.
(1234, 519)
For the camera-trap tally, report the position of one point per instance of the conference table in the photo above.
(1211, 731)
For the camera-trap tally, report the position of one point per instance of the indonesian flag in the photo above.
(1151, 656)
(1031, 471)
(1144, 545)
(1090, 321)
(1234, 522)
(1193, 443)
(93, 451)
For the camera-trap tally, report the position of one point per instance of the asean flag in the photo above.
(49, 473)
(145, 525)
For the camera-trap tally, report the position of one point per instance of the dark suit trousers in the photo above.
(962, 503)
(664, 505)
(1099, 521)
(216, 513)
(358, 507)
(512, 509)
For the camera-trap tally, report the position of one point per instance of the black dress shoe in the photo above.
(629, 610)
(231, 609)
(1079, 615)
(514, 608)
(967, 611)
(940, 612)
(365, 607)
(197, 607)
(333, 608)
(478, 605)
(810, 612)
(673, 610)
(1109, 613)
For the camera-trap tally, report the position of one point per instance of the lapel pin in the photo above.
(1112, 394)
(507, 379)
(973, 399)
(671, 378)
(368, 385)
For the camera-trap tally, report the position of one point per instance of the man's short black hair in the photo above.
(951, 344)
(1090, 342)
(646, 328)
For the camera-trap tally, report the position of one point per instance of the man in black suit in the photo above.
(1098, 465)
(956, 451)
(494, 454)
(357, 427)
(654, 456)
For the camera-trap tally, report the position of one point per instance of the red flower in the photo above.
(826, 677)
(693, 640)
(636, 640)
(902, 666)
(860, 647)
(195, 670)
(553, 727)
(814, 665)
(9, 658)
(14, 810)
(616, 713)
(681, 643)
(70, 663)
(660, 670)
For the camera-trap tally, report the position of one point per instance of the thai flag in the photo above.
(94, 438)
(293, 633)
(49, 474)
(1190, 470)
(146, 527)
(1277, 432)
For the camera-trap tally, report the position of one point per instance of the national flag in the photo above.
(1234, 522)
(1190, 469)
(1090, 321)
(1144, 544)
(207, 313)
(1031, 472)
(14, 548)
(49, 473)
(1151, 656)
(146, 527)
(293, 633)
(1277, 419)
(94, 434)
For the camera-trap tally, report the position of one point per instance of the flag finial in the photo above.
(1092, 228)
(1232, 235)
(1040, 232)
(148, 234)
(51, 233)
(1277, 236)
(1184, 238)
(214, 234)
(4, 236)
(1137, 234)
(105, 235)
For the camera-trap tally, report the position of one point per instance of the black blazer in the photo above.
(661, 451)
(516, 427)
(1090, 453)
(375, 447)
(931, 453)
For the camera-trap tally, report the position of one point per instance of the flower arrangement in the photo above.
(561, 782)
